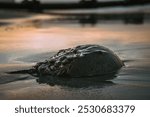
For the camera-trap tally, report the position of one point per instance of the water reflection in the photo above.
(4, 23)
(93, 19)
(85, 82)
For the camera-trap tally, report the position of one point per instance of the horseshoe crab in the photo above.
(80, 61)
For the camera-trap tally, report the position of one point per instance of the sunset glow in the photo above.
(54, 38)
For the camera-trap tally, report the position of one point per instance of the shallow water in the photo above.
(32, 38)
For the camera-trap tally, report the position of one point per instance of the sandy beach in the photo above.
(27, 38)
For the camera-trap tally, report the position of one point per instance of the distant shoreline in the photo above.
(81, 5)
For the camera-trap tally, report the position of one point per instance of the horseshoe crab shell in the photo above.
(80, 61)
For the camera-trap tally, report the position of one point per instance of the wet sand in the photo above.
(36, 38)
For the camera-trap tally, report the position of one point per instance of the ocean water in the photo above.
(27, 38)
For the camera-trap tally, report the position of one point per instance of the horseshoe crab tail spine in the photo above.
(28, 71)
